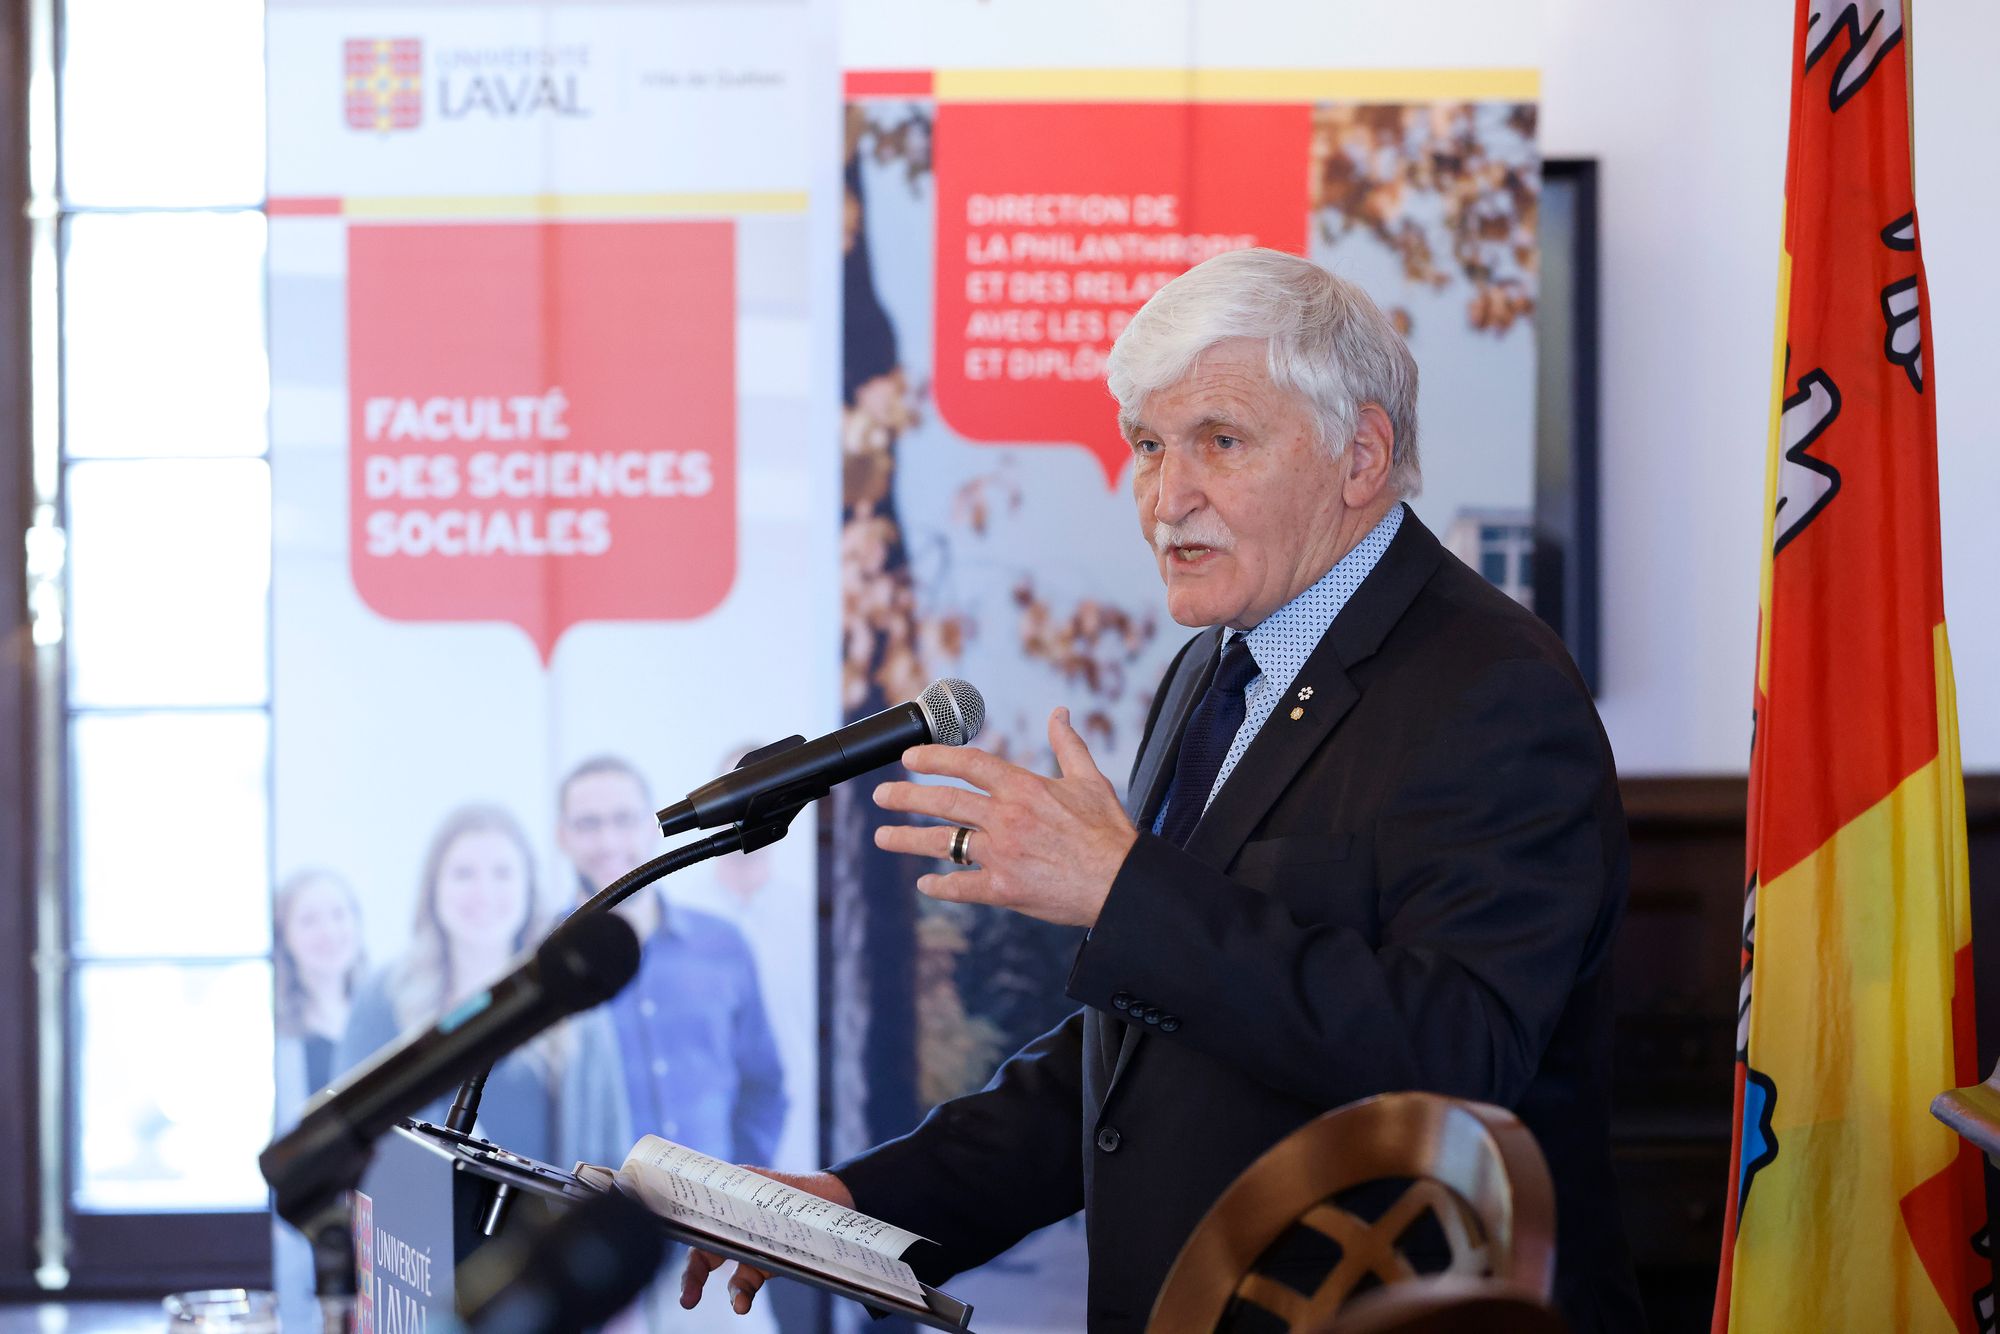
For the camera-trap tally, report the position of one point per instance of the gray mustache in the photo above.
(1204, 531)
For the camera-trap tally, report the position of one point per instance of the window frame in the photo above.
(18, 1124)
(45, 1249)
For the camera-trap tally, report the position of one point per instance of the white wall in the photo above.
(1687, 118)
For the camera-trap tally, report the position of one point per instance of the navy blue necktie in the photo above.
(1205, 744)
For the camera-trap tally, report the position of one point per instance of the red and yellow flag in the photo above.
(1852, 1209)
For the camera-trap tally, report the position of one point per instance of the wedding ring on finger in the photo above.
(959, 838)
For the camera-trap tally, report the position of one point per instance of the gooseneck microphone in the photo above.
(948, 713)
(584, 962)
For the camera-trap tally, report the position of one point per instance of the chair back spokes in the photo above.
(1472, 1170)
(1370, 1249)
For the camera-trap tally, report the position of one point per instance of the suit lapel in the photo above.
(1156, 769)
(1283, 744)
(1321, 695)
(1274, 758)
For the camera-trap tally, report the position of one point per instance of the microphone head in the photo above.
(587, 960)
(954, 710)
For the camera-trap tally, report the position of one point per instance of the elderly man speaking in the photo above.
(1373, 840)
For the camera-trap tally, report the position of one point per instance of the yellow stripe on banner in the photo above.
(1850, 1017)
(1369, 85)
(1774, 449)
(1237, 85)
(1957, 857)
(1063, 85)
(496, 207)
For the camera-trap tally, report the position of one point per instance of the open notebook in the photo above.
(750, 1216)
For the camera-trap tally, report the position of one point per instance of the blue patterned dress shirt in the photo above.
(1286, 638)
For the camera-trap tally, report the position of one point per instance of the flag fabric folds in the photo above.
(1850, 1208)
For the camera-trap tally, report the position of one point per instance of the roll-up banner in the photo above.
(1002, 224)
(553, 518)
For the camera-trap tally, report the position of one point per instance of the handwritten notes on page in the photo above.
(750, 1209)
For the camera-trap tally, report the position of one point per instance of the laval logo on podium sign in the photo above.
(364, 1264)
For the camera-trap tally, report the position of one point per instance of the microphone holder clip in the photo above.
(771, 813)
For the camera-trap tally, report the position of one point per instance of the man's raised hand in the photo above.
(1046, 847)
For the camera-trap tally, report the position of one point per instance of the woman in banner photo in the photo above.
(561, 1098)
(318, 961)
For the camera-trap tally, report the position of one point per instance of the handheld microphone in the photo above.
(949, 713)
(584, 962)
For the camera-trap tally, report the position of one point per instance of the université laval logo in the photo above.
(361, 1218)
(384, 83)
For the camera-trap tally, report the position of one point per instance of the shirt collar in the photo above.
(1283, 641)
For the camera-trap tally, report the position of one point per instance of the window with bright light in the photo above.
(166, 498)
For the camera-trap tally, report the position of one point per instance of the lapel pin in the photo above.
(1305, 692)
(1297, 713)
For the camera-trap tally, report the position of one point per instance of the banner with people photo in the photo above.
(1001, 227)
(548, 497)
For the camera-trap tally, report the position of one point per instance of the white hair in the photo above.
(1327, 341)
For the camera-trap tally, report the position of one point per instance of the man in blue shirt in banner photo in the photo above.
(701, 1067)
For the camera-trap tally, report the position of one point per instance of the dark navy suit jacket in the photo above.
(1412, 885)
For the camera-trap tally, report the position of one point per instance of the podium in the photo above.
(431, 1198)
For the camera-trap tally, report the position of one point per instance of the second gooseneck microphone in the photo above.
(584, 962)
(948, 713)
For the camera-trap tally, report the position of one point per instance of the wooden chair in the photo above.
(1472, 1167)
